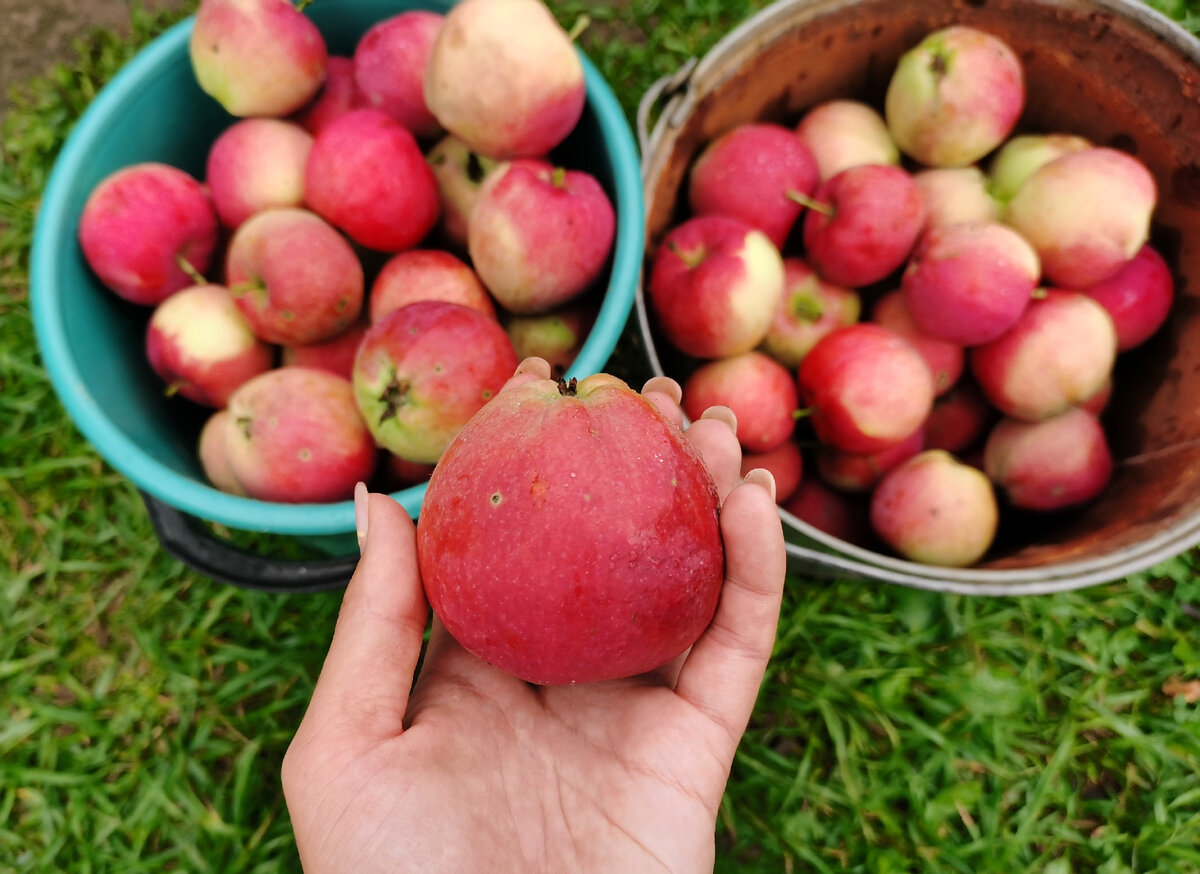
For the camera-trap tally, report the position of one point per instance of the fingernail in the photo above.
(724, 414)
(762, 477)
(538, 366)
(360, 514)
(666, 385)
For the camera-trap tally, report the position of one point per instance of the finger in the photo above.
(665, 393)
(527, 371)
(365, 682)
(722, 674)
(714, 436)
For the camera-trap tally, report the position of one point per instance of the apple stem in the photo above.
(559, 177)
(173, 388)
(241, 289)
(691, 259)
(567, 389)
(300, 4)
(582, 23)
(807, 307)
(804, 200)
(803, 413)
(1039, 293)
(190, 270)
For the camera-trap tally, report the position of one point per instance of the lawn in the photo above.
(146, 709)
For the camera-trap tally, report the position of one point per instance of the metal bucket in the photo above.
(1112, 70)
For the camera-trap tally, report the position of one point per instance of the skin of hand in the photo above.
(471, 770)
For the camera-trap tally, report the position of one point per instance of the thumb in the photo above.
(367, 676)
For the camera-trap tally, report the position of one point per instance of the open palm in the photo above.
(472, 770)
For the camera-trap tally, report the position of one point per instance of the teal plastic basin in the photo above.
(92, 342)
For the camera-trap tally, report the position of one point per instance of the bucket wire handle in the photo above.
(664, 89)
(185, 538)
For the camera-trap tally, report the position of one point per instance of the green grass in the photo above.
(145, 709)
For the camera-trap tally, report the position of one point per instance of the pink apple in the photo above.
(400, 473)
(423, 370)
(865, 387)
(1138, 297)
(760, 391)
(1098, 402)
(367, 176)
(1087, 213)
(294, 277)
(505, 78)
(753, 173)
(295, 436)
(539, 235)
(959, 419)
(459, 173)
(862, 224)
(945, 359)
(607, 524)
(956, 195)
(200, 344)
(256, 164)
(426, 274)
(846, 133)
(936, 510)
(810, 309)
(557, 336)
(257, 57)
(968, 284)
(336, 97)
(860, 471)
(335, 355)
(954, 97)
(141, 225)
(786, 464)
(838, 514)
(389, 68)
(1059, 354)
(1058, 462)
(715, 286)
(214, 456)
(1020, 156)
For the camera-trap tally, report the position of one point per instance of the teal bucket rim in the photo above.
(204, 501)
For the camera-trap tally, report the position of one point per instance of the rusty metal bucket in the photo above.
(1112, 70)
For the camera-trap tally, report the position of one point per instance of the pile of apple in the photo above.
(376, 243)
(937, 299)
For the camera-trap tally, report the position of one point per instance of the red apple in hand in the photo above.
(142, 226)
(715, 286)
(539, 235)
(389, 68)
(618, 564)
(754, 173)
(862, 224)
(367, 176)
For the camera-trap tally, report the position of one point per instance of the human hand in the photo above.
(471, 770)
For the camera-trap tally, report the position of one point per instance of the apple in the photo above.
(810, 309)
(838, 514)
(257, 57)
(754, 172)
(1019, 156)
(715, 286)
(968, 284)
(148, 230)
(389, 68)
(1059, 354)
(786, 464)
(426, 274)
(367, 176)
(256, 164)
(294, 277)
(760, 391)
(944, 359)
(539, 235)
(1137, 297)
(936, 510)
(335, 355)
(459, 172)
(865, 388)
(337, 96)
(846, 133)
(400, 473)
(1087, 213)
(214, 456)
(423, 370)
(595, 551)
(505, 78)
(954, 97)
(1049, 465)
(1098, 403)
(959, 419)
(557, 336)
(861, 471)
(862, 224)
(200, 344)
(956, 195)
